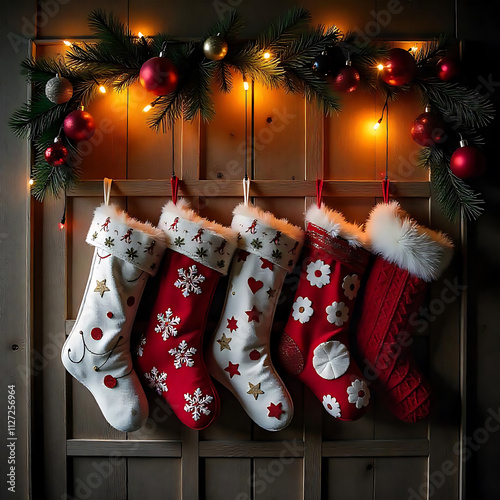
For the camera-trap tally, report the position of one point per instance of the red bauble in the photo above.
(447, 69)
(56, 154)
(467, 161)
(400, 68)
(79, 125)
(347, 80)
(159, 76)
(428, 129)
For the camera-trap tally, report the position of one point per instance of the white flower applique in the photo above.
(156, 380)
(337, 313)
(190, 281)
(331, 405)
(167, 323)
(302, 310)
(331, 359)
(183, 354)
(350, 285)
(318, 273)
(197, 404)
(359, 394)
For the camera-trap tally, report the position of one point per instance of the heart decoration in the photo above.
(255, 285)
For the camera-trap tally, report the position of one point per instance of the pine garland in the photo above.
(293, 44)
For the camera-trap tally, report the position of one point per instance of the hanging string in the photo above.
(319, 191)
(246, 180)
(385, 182)
(62, 224)
(174, 180)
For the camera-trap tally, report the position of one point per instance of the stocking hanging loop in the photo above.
(107, 189)
(246, 190)
(319, 191)
(174, 183)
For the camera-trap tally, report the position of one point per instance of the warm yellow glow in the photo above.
(377, 125)
(31, 182)
(380, 67)
(245, 85)
(82, 107)
(267, 55)
(414, 48)
(67, 43)
(140, 35)
(147, 108)
(102, 89)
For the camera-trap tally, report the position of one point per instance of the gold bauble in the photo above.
(215, 48)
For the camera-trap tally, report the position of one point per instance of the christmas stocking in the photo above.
(238, 354)
(407, 257)
(97, 351)
(315, 343)
(170, 354)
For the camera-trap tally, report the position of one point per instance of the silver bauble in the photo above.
(59, 90)
(215, 48)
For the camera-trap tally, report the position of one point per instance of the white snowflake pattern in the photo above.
(139, 350)
(156, 380)
(167, 323)
(197, 403)
(183, 354)
(189, 282)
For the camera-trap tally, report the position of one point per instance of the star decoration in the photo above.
(101, 287)
(232, 369)
(266, 264)
(254, 390)
(224, 342)
(242, 255)
(253, 315)
(271, 293)
(232, 324)
(275, 410)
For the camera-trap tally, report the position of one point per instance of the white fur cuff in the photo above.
(400, 240)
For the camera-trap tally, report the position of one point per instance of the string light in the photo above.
(414, 48)
(245, 83)
(67, 43)
(140, 35)
(31, 181)
(380, 67)
(102, 89)
(267, 55)
(147, 108)
(379, 121)
(377, 124)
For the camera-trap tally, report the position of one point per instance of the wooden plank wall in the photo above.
(316, 457)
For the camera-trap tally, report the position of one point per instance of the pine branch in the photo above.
(431, 49)
(465, 105)
(452, 194)
(50, 181)
(228, 28)
(223, 77)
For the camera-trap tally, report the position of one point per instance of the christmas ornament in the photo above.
(408, 256)
(428, 128)
(79, 125)
(447, 69)
(97, 351)
(238, 354)
(400, 68)
(59, 90)
(467, 161)
(56, 154)
(158, 75)
(322, 64)
(215, 48)
(315, 343)
(347, 79)
(170, 353)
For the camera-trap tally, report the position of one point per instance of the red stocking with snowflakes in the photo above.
(238, 354)
(408, 256)
(170, 355)
(315, 343)
(97, 351)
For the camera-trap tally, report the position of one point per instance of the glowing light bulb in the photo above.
(67, 43)
(102, 89)
(267, 55)
(414, 48)
(31, 182)
(61, 226)
(140, 35)
(147, 108)
(377, 125)
(245, 85)
(380, 67)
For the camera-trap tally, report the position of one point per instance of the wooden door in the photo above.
(316, 456)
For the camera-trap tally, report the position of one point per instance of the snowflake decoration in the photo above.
(94, 236)
(189, 282)
(256, 243)
(201, 252)
(139, 350)
(156, 380)
(178, 242)
(131, 254)
(197, 404)
(183, 354)
(109, 242)
(276, 254)
(167, 323)
(221, 264)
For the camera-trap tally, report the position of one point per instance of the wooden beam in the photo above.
(377, 448)
(123, 448)
(260, 188)
(251, 449)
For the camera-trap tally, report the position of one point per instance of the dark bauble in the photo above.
(400, 68)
